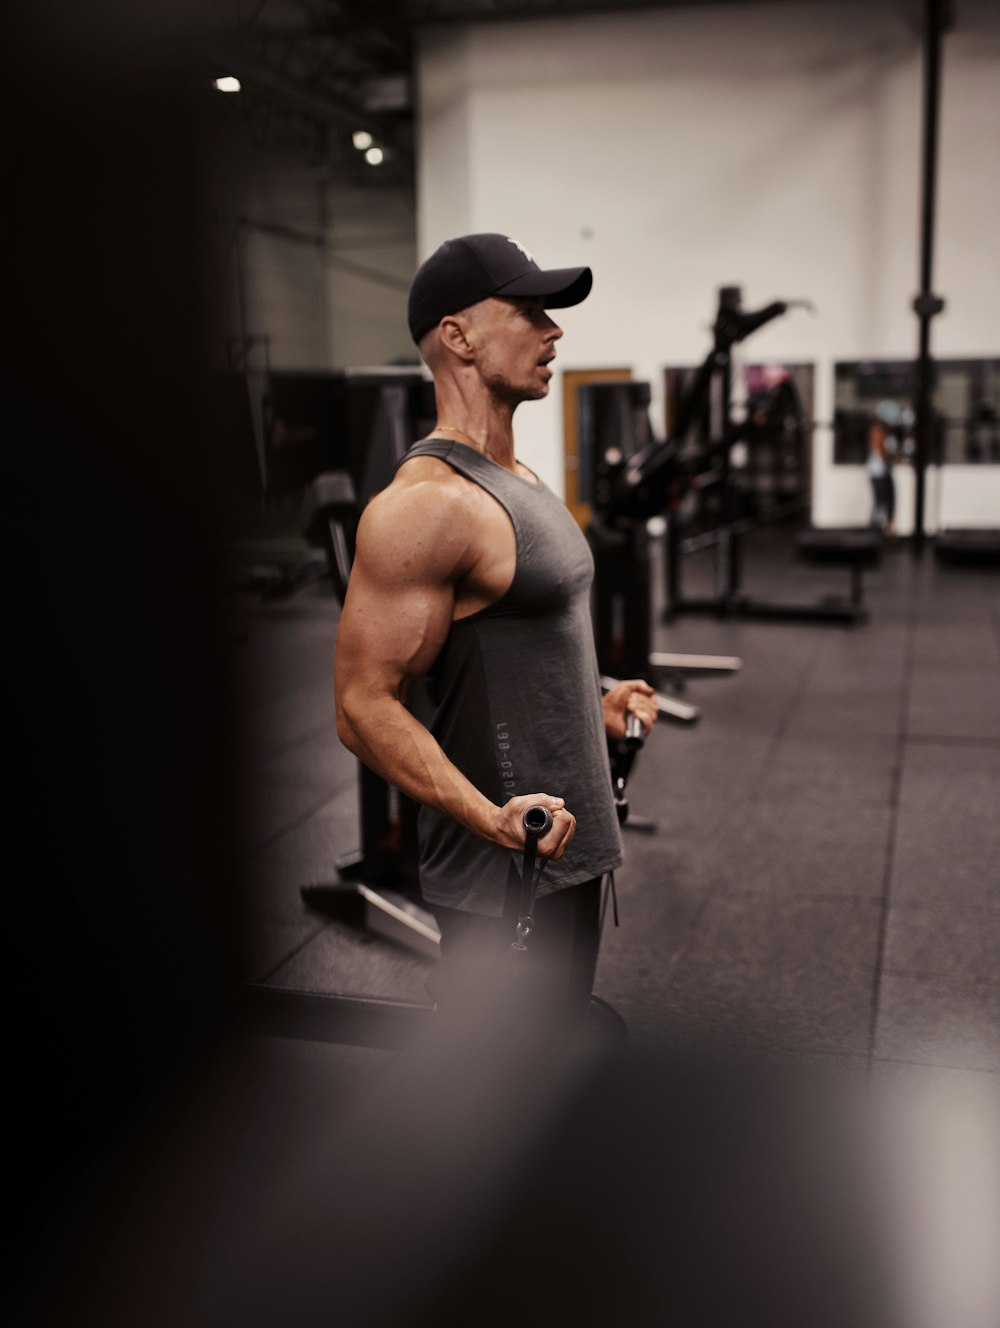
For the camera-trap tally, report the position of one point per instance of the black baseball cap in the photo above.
(472, 267)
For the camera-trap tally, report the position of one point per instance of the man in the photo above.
(465, 671)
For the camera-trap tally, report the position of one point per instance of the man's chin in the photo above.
(513, 395)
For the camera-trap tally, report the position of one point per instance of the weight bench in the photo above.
(855, 547)
(968, 546)
(329, 521)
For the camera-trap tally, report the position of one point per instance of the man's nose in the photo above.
(553, 332)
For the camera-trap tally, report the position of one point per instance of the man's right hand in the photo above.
(508, 824)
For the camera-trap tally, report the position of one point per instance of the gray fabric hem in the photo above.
(546, 887)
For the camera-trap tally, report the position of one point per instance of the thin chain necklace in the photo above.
(452, 428)
(480, 447)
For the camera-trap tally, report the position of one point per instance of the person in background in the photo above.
(883, 452)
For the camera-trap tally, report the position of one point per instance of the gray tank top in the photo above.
(514, 700)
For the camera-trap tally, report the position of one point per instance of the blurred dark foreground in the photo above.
(167, 1167)
(497, 1170)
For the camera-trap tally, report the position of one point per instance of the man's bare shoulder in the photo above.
(427, 515)
(425, 489)
(431, 475)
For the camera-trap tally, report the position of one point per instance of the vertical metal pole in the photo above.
(927, 305)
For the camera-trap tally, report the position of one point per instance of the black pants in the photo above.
(883, 500)
(561, 958)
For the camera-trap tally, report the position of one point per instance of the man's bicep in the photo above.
(391, 633)
(397, 614)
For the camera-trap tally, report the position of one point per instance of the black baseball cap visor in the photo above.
(560, 287)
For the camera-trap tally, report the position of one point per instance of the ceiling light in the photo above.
(374, 156)
(362, 140)
(227, 84)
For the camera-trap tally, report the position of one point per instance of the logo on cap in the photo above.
(524, 251)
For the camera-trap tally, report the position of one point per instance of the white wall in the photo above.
(369, 264)
(270, 280)
(321, 268)
(776, 147)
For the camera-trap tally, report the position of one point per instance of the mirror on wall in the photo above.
(966, 397)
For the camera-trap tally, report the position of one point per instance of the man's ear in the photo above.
(455, 336)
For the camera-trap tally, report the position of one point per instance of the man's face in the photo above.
(515, 343)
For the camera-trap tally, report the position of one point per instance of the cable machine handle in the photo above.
(537, 822)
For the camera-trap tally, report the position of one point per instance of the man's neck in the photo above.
(486, 425)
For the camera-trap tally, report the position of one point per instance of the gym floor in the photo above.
(822, 884)
(824, 871)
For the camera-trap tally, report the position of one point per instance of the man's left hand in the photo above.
(632, 697)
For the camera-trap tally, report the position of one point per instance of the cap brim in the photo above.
(559, 287)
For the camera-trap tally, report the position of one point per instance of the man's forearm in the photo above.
(386, 737)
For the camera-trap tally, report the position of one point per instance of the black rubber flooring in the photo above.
(822, 880)
(826, 864)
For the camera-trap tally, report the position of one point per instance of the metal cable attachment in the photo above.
(537, 822)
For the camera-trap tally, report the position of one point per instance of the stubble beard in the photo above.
(508, 395)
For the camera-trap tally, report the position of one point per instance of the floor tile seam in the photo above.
(971, 983)
(949, 740)
(893, 827)
(974, 911)
(792, 703)
(977, 907)
(978, 1071)
(299, 820)
(805, 897)
(291, 954)
(782, 959)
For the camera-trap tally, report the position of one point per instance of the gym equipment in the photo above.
(710, 397)
(968, 547)
(926, 304)
(330, 523)
(537, 821)
(332, 440)
(378, 889)
(854, 548)
(622, 753)
(614, 432)
(385, 410)
(636, 477)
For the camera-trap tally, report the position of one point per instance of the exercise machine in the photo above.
(331, 441)
(709, 402)
(615, 431)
